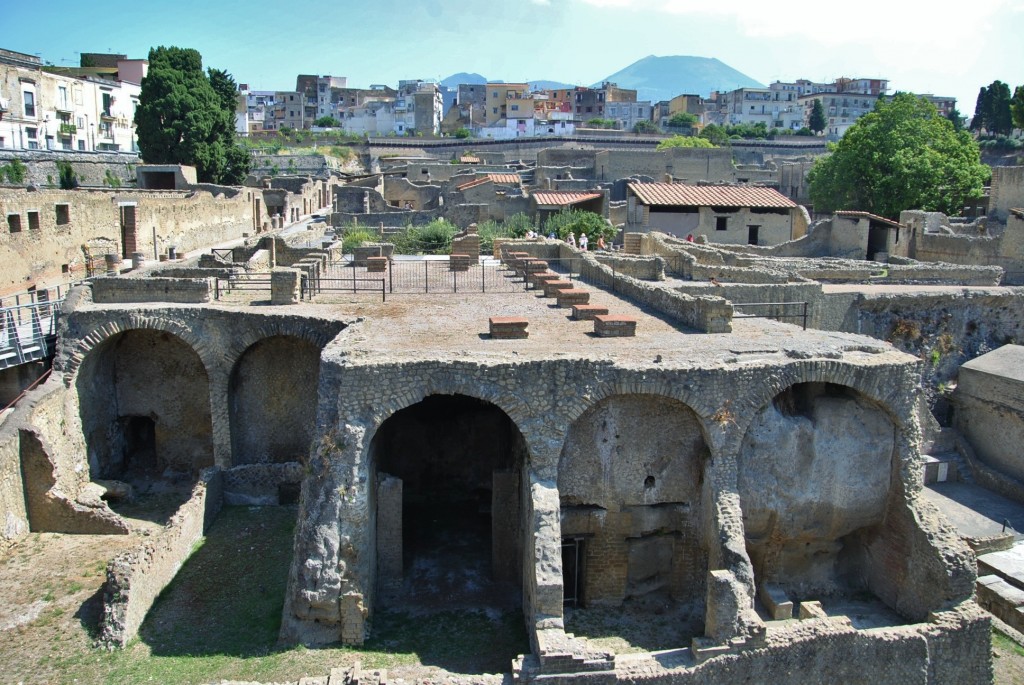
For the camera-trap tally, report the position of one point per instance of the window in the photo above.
(81, 145)
(62, 97)
(14, 223)
(721, 223)
(63, 214)
(515, 108)
(30, 103)
(108, 101)
(494, 110)
(30, 133)
(33, 220)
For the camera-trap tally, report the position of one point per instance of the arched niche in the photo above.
(272, 401)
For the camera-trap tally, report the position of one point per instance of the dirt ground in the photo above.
(50, 595)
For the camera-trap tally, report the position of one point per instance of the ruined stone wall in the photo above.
(118, 290)
(136, 577)
(12, 491)
(92, 168)
(331, 596)
(644, 268)
(1007, 191)
(53, 252)
(400, 192)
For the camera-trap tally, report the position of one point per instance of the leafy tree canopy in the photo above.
(992, 109)
(1017, 107)
(684, 141)
(326, 122)
(186, 116)
(682, 119)
(817, 122)
(903, 155)
(644, 126)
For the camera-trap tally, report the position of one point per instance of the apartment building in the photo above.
(47, 108)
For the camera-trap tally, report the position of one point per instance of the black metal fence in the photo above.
(421, 277)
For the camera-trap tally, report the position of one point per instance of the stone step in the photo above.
(1002, 599)
(1007, 565)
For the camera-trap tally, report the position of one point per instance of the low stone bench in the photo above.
(551, 288)
(572, 296)
(587, 311)
(614, 326)
(459, 262)
(376, 264)
(508, 327)
(538, 280)
(532, 266)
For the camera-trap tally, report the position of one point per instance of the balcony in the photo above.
(68, 129)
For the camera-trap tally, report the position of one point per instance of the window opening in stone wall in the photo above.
(14, 223)
(721, 223)
(33, 220)
(62, 214)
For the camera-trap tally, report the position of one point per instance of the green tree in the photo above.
(185, 116)
(992, 109)
(682, 120)
(903, 155)
(956, 119)
(684, 141)
(462, 132)
(326, 122)
(1017, 107)
(644, 127)
(715, 134)
(817, 122)
(601, 123)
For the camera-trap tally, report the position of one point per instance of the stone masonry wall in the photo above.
(135, 578)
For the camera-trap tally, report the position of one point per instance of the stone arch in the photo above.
(136, 321)
(316, 336)
(272, 399)
(144, 402)
(446, 492)
(816, 473)
(890, 396)
(632, 482)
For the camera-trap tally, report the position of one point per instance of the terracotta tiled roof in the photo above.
(562, 197)
(505, 179)
(869, 215)
(683, 195)
(473, 184)
(469, 159)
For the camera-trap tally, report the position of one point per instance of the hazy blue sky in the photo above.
(935, 46)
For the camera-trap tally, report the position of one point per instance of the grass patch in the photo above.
(1002, 643)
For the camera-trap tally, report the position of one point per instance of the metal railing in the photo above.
(778, 315)
(27, 332)
(423, 277)
(245, 281)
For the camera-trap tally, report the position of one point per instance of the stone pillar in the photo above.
(285, 286)
(220, 417)
(138, 260)
(389, 528)
(112, 261)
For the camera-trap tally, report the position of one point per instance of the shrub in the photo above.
(684, 141)
(67, 177)
(14, 171)
(355, 237)
(578, 222)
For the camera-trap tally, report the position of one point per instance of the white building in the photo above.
(41, 110)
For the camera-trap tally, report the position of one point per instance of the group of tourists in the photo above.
(584, 243)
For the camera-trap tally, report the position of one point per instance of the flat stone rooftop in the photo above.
(974, 511)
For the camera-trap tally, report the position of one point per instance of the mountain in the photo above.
(662, 78)
(454, 80)
(549, 85)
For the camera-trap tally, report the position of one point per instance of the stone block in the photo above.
(811, 610)
(538, 280)
(774, 598)
(614, 326)
(532, 266)
(508, 327)
(459, 262)
(586, 312)
(285, 286)
(551, 288)
(572, 296)
(376, 265)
